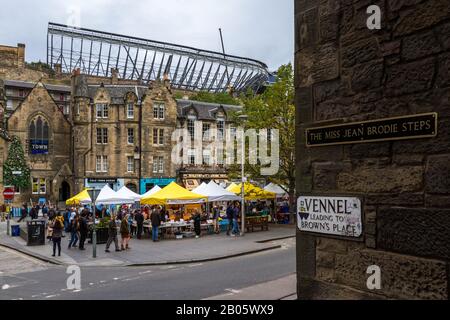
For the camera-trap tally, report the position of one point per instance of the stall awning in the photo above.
(252, 192)
(214, 192)
(173, 194)
(109, 196)
(79, 199)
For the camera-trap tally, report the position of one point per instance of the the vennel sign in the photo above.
(397, 128)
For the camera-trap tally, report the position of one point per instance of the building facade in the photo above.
(347, 73)
(82, 131)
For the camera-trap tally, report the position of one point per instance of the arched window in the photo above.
(38, 136)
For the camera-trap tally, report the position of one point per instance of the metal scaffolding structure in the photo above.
(96, 52)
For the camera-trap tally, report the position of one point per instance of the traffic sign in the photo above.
(8, 193)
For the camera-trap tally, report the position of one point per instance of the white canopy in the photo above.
(109, 196)
(214, 192)
(151, 191)
(272, 187)
(127, 193)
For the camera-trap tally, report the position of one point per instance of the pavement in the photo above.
(144, 252)
(264, 275)
(283, 288)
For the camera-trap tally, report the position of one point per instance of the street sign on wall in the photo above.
(340, 216)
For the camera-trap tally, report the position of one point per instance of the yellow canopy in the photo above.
(231, 186)
(252, 192)
(81, 198)
(173, 194)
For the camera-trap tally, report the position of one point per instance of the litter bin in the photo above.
(15, 230)
(36, 233)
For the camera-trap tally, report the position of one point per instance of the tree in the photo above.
(16, 162)
(274, 109)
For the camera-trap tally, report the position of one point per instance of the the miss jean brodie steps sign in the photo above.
(397, 128)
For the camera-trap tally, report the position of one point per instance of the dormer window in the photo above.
(102, 110)
(220, 128)
(158, 111)
(130, 110)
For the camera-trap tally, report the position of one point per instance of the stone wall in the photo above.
(346, 73)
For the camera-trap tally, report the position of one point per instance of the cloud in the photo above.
(258, 29)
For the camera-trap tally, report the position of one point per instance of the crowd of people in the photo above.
(128, 222)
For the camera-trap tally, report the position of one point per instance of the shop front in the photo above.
(147, 184)
(98, 183)
(193, 180)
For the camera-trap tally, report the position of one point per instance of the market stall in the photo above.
(124, 192)
(216, 193)
(80, 199)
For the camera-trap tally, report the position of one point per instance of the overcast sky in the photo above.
(258, 29)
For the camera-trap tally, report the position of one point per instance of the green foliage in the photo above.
(40, 66)
(221, 98)
(103, 223)
(16, 162)
(274, 109)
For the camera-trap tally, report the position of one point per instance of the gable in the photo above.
(38, 102)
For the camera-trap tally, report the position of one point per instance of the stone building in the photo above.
(84, 131)
(208, 123)
(347, 73)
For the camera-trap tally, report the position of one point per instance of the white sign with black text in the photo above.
(330, 215)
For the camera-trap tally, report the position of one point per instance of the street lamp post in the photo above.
(93, 194)
(243, 117)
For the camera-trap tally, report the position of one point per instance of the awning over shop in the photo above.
(214, 192)
(252, 192)
(173, 194)
(79, 199)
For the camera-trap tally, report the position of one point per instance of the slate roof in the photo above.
(117, 92)
(30, 85)
(205, 110)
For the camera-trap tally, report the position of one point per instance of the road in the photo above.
(174, 282)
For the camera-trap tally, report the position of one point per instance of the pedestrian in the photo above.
(23, 212)
(230, 210)
(131, 223)
(112, 234)
(156, 221)
(73, 229)
(139, 217)
(44, 210)
(57, 226)
(51, 213)
(216, 216)
(163, 215)
(83, 229)
(33, 213)
(235, 220)
(125, 232)
(197, 223)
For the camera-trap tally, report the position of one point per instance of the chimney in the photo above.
(58, 69)
(114, 76)
(20, 55)
(79, 87)
(166, 80)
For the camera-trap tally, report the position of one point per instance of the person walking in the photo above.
(216, 216)
(230, 211)
(33, 213)
(155, 217)
(73, 229)
(235, 220)
(197, 223)
(112, 234)
(57, 227)
(23, 212)
(139, 217)
(131, 223)
(125, 232)
(83, 229)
